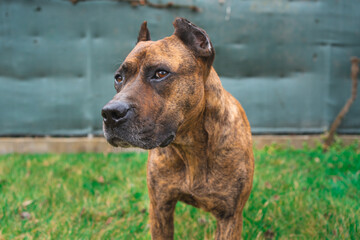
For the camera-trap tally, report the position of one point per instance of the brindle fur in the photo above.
(210, 163)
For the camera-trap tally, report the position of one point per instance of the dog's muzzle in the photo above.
(123, 128)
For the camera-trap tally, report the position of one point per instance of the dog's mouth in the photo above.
(149, 142)
(168, 140)
(117, 142)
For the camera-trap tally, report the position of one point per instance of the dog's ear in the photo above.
(144, 34)
(195, 38)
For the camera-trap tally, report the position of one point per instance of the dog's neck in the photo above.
(199, 131)
(211, 108)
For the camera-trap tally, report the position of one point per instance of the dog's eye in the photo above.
(160, 74)
(118, 78)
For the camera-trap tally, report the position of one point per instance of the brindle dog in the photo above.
(170, 100)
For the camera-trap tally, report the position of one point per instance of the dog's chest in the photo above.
(215, 195)
(214, 187)
(219, 204)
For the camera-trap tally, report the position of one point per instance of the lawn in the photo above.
(297, 194)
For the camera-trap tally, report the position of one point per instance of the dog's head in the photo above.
(159, 86)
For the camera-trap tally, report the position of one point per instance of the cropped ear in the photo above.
(144, 34)
(195, 38)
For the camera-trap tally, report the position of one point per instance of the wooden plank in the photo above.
(99, 144)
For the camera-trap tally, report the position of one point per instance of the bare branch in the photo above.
(135, 3)
(354, 72)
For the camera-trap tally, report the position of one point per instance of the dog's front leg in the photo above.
(229, 228)
(162, 218)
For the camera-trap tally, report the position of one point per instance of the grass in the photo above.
(297, 194)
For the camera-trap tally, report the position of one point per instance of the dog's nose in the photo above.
(115, 112)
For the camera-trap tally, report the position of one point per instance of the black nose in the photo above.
(115, 112)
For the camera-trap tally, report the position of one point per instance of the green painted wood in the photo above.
(288, 62)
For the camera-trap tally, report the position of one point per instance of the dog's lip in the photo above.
(145, 140)
(112, 142)
(168, 140)
(117, 142)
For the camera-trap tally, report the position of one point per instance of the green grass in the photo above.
(297, 194)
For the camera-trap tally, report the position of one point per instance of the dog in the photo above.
(170, 100)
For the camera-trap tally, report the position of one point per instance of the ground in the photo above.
(297, 194)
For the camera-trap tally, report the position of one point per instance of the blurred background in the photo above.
(287, 62)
